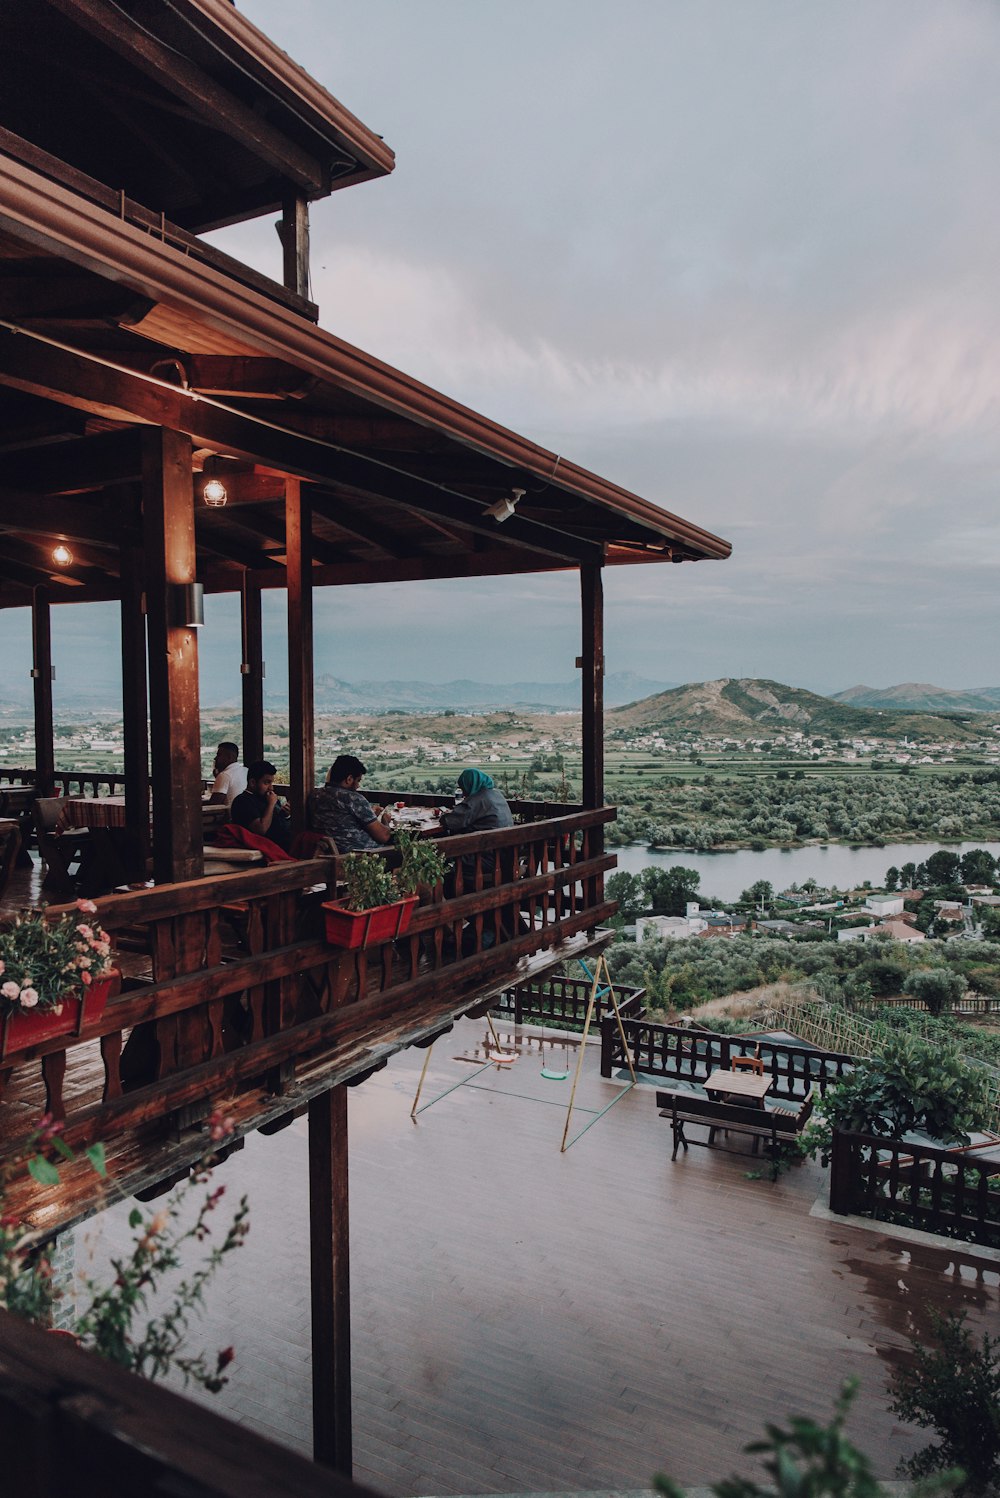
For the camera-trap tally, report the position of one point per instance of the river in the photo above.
(724, 876)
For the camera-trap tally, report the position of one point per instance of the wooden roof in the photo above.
(181, 104)
(114, 318)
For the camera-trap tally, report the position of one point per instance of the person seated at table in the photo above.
(340, 812)
(230, 776)
(258, 808)
(482, 809)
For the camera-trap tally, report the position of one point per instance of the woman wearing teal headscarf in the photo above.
(471, 782)
(483, 809)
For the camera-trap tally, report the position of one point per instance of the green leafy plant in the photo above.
(369, 882)
(805, 1461)
(43, 963)
(421, 862)
(911, 1085)
(954, 1388)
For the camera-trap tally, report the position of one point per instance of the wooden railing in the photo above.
(692, 1055)
(71, 782)
(563, 1002)
(77, 1423)
(969, 1003)
(916, 1185)
(112, 783)
(246, 993)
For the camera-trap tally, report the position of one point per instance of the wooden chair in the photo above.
(60, 849)
(747, 1063)
(10, 846)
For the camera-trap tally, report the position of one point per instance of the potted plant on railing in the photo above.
(372, 910)
(55, 977)
(422, 869)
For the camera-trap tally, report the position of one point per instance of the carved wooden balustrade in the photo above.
(692, 1055)
(945, 1191)
(245, 998)
(563, 1002)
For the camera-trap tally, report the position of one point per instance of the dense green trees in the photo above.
(943, 867)
(760, 893)
(937, 987)
(717, 809)
(668, 891)
(977, 867)
(688, 972)
(627, 890)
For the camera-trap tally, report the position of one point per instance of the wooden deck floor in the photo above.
(530, 1321)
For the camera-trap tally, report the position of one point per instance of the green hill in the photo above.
(750, 708)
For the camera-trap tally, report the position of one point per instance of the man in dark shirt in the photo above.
(258, 808)
(339, 810)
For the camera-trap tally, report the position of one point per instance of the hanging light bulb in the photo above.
(61, 555)
(214, 494)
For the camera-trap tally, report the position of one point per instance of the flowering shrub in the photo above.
(43, 963)
(113, 1317)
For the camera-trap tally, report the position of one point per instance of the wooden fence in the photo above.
(916, 1185)
(692, 1055)
(562, 1002)
(969, 1003)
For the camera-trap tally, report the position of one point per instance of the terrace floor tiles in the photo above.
(549, 1322)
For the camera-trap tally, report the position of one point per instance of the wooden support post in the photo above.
(592, 661)
(331, 1285)
(294, 234)
(41, 673)
(252, 668)
(175, 727)
(298, 564)
(135, 723)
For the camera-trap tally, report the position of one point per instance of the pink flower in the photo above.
(87, 932)
(10, 990)
(85, 977)
(29, 998)
(2, 965)
(87, 907)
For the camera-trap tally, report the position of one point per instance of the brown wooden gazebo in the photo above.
(136, 365)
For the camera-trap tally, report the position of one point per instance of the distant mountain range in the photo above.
(749, 708)
(335, 696)
(918, 697)
(729, 705)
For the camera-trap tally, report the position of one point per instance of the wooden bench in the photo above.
(775, 1127)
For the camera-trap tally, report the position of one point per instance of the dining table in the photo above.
(114, 855)
(424, 820)
(738, 1086)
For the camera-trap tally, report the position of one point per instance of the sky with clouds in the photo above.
(739, 256)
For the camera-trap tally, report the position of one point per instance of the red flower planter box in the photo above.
(367, 928)
(30, 1027)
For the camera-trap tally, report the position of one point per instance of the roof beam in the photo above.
(210, 537)
(350, 519)
(206, 97)
(494, 563)
(26, 363)
(76, 466)
(247, 377)
(74, 519)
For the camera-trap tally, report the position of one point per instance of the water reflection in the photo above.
(725, 876)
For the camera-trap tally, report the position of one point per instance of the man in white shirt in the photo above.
(230, 776)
